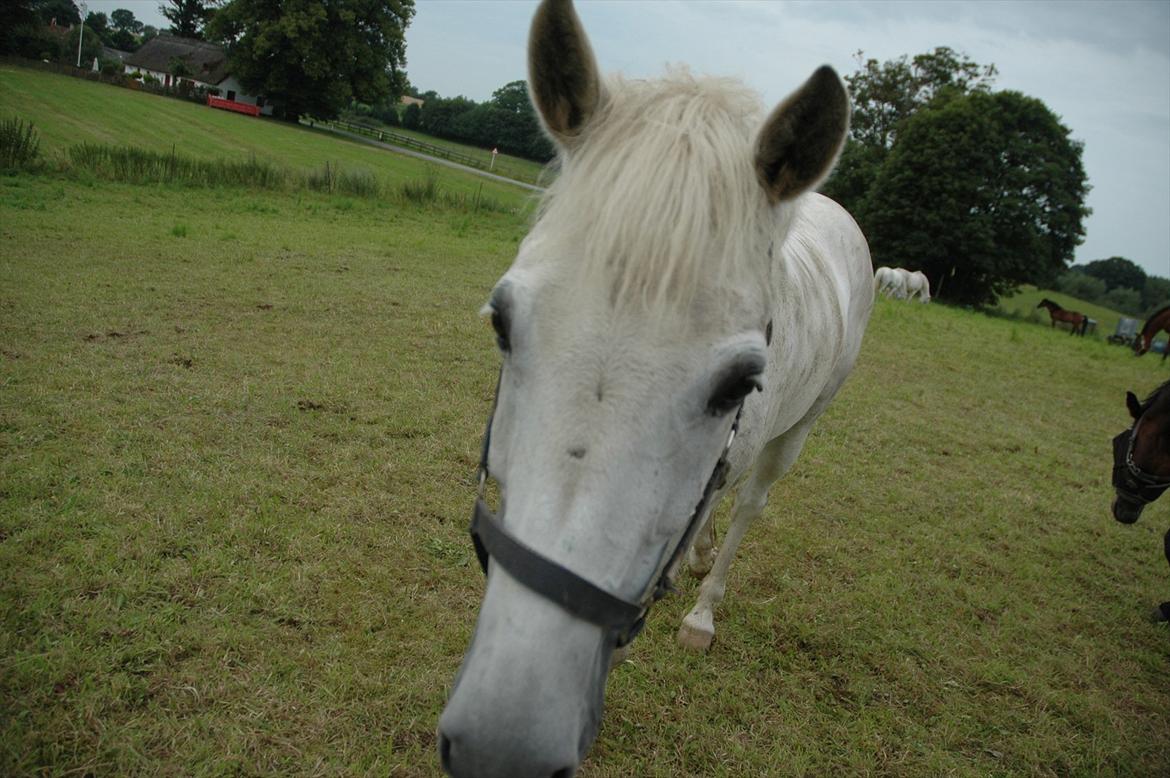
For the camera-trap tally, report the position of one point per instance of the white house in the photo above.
(206, 64)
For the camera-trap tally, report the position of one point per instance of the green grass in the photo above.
(1023, 305)
(238, 438)
(68, 111)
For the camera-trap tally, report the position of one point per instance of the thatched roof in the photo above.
(205, 61)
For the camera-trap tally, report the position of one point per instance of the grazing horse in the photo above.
(682, 283)
(902, 284)
(1141, 464)
(1077, 320)
(917, 284)
(890, 282)
(1158, 321)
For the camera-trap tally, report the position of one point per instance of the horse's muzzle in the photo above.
(1126, 511)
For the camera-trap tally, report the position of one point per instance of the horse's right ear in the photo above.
(562, 74)
(1135, 407)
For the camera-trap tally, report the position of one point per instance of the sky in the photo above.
(1103, 67)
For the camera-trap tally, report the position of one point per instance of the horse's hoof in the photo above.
(696, 633)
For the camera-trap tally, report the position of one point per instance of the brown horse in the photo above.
(1077, 320)
(1158, 321)
(1141, 464)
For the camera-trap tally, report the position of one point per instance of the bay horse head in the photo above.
(633, 323)
(1141, 455)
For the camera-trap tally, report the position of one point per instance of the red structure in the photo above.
(232, 105)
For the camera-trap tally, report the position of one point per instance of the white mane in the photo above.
(660, 192)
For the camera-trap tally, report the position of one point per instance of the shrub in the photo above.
(19, 144)
(421, 192)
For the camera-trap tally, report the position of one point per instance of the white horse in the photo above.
(902, 284)
(890, 281)
(916, 283)
(679, 263)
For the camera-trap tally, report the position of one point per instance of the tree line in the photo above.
(982, 190)
(50, 29)
(1116, 283)
(507, 121)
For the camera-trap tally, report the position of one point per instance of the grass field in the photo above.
(238, 438)
(68, 111)
(237, 460)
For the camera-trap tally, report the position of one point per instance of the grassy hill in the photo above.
(67, 111)
(1023, 305)
(238, 437)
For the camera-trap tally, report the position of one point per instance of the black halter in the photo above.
(1133, 484)
(622, 619)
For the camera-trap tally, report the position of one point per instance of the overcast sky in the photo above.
(1103, 67)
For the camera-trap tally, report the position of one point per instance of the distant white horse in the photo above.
(890, 282)
(916, 283)
(679, 263)
(902, 284)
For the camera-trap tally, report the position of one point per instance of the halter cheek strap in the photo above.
(1131, 482)
(621, 619)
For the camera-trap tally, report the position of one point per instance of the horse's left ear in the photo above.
(803, 136)
(1135, 407)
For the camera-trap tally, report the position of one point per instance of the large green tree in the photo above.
(982, 192)
(312, 57)
(1116, 272)
(188, 18)
(885, 95)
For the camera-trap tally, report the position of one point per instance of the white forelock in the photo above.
(660, 193)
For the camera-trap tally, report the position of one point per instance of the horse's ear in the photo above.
(1135, 407)
(800, 141)
(562, 74)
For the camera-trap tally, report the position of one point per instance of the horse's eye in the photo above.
(500, 325)
(732, 391)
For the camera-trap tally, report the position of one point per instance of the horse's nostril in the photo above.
(445, 752)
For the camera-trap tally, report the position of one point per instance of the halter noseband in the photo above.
(1131, 482)
(621, 619)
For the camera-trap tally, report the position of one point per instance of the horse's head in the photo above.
(1141, 344)
(631, 325)
(1141, 455)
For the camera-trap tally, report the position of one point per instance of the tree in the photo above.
(188, 17)
(513, 98)
(1155, 294)
(98, 22)
(64, 12)
(412, 117)
(18, 22)
(121, 19)
(315, 56)
(91, 47)
(1083, 287)
(1116, 272)
(982, 192)
(885, 95)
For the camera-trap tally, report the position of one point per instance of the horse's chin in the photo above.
(1125, 511)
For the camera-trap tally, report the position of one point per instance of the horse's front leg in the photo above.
(698, 628)
(701, 554)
